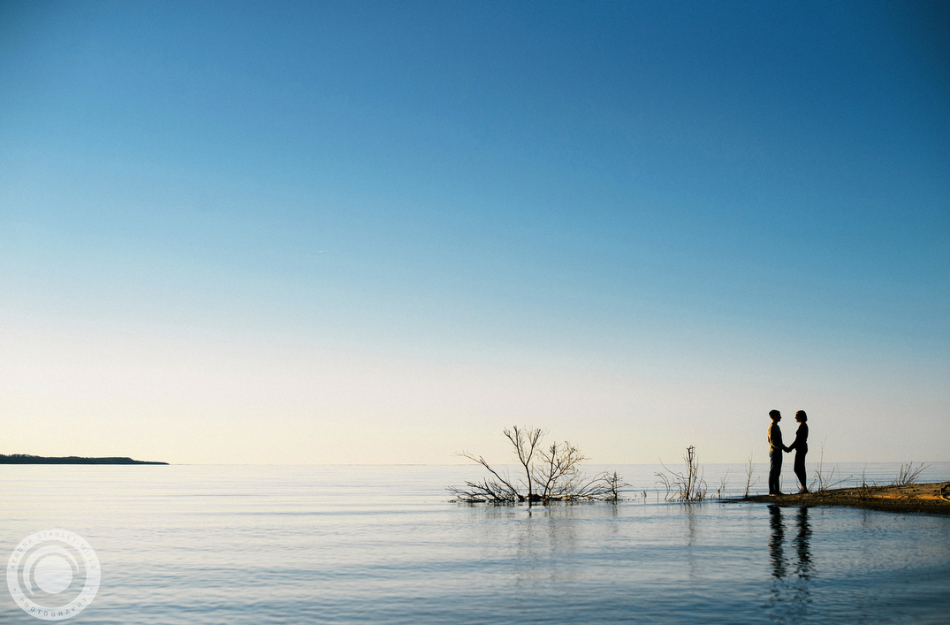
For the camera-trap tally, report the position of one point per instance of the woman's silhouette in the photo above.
(801, 448)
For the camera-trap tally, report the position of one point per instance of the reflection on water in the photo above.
(776, 542)
(802, 546)
(211, 545)
(790, 592)
(691, 539)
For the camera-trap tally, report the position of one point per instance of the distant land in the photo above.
(27, 459)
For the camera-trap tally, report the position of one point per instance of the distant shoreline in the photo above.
(28, 459)
(932, 498)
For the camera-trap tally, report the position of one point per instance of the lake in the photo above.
(383, 544)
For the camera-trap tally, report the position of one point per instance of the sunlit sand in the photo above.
(931, 498)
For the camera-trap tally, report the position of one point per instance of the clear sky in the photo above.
(380, 232)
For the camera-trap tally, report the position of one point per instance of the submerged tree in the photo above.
(551, 473)
(688, 486)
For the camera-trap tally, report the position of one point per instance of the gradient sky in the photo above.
(380, 232)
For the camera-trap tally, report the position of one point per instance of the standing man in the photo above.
(776, 448)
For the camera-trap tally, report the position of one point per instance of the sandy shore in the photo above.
(927, 498)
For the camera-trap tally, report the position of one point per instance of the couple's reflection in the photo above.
(802, 544)
(798, 564)
(777, 542)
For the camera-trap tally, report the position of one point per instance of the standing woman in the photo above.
(801, 448)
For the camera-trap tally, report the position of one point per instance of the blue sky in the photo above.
(380, 232)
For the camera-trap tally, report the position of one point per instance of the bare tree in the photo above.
(606, 486)
(689, 486)
(496, 489)
(749, 469)
(551, 473)
(722, 486)
(909, 474)
(525, 441)
(825, 480)
(558, 472)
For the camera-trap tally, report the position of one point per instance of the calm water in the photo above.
(238, 544)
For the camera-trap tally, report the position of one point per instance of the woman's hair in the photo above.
(801, 416)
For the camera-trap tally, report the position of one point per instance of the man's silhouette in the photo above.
(776, 448)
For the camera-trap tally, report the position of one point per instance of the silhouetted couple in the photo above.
(776, 448)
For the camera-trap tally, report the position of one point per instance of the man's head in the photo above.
(776, 415)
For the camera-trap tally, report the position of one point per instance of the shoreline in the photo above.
(28, 459)
(930, 498)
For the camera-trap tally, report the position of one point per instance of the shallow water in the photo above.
(243, 544)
